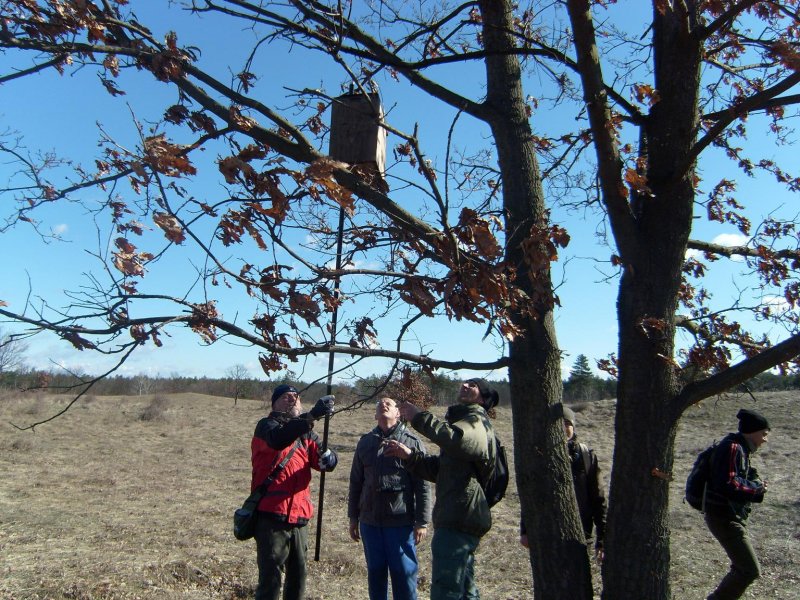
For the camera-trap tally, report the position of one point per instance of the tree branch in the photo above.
(692, 326)
(739, 373)
(765, 105)
(735, 112)
(40, 67)
(730, 251)
(724, 19)
(380, 54)
(606, 145)
(309, 349)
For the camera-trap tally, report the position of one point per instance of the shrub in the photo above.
(156, 410)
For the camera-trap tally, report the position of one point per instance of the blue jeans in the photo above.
(453, 571)
(390, 549)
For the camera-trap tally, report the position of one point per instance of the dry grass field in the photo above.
(131, 497)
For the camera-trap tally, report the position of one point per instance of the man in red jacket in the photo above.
(281, 532)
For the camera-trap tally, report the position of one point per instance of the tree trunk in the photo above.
(559, 559)
(637, 538)
(637, 548)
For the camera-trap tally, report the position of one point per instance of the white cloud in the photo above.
(359, 264)
(692, 253)
(777, 304)
(60, 229)
(350, 266)
(732, 239)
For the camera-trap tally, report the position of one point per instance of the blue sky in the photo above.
(66, 114)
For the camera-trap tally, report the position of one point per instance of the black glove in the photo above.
(323, 407)
(327, 461)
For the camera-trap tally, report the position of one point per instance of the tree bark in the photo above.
(649, 384)
(559, 559)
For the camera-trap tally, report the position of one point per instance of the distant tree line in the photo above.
(135, 385)
(237, 384)
(582, 385)
(772, 382)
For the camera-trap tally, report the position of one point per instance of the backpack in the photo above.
(494, 488)
(699, 476)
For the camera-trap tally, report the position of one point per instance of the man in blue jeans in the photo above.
(389, 509)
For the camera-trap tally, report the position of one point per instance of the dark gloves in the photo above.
(323, 407)
(328, 460)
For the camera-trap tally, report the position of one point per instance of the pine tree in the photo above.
(581, 384)
(581, 371)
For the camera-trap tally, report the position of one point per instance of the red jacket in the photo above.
(288, 497)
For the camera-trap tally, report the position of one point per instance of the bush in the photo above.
(156, 410)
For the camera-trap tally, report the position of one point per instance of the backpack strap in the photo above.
(258, 493)
(492, 439)
(586, 454)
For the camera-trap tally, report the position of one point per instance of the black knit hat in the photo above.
(281, 390)
(489, 395)
(750, 421)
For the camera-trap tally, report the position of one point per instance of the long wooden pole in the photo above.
(329, 386)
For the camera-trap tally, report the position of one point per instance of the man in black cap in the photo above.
(461, 514)
(733, 486)
(285, 437)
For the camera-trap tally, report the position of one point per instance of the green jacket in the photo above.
(466, 448)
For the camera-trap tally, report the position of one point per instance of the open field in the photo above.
(125, 498)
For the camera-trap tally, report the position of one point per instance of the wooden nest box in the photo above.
(356, 136)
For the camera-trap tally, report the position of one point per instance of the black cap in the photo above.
(751, 421)
(281, 390)
(490, 396)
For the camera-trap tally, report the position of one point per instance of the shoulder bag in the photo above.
(244, 519)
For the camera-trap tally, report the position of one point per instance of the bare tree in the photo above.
(144, 384)
(238, 376)
(12, 352)
(469, 236)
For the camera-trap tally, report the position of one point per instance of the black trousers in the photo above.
(745, 569)
(281, 551)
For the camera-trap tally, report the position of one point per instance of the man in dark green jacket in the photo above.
(461, 515)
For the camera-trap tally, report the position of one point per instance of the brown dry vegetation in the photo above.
(131, 497)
